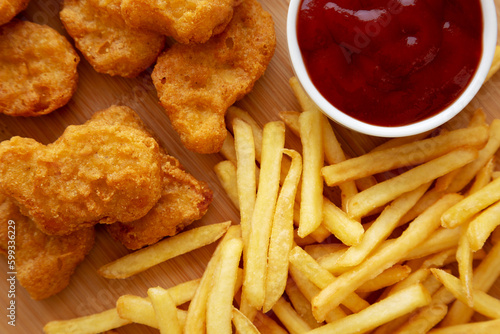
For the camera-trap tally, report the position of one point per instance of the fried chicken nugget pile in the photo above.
(44, 263)
(197, 83)
(187, 21)
(184, 199)
(38, 69)
(106, 41)
(94, 173)
(10, 8)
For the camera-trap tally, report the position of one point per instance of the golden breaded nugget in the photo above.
(187, 21)
(94, 172)
(44, 264)
(10, 8)
(38, 69)
(104, 39)
(184, 199)
(196, 83)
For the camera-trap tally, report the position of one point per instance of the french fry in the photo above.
(331, 296)
(395, 142)
(140, 311)
(384, 192)
(304, 100)
(382, 227)
(406, 155)
(392, 307)
(424, 320)
(165, 311)
(387, 278)
(471, 205)
(441, 239)
(322, 278)
(484, 276)
(464, 259)
(300, 303)
(483, 303)
(311, 205)
(483, 176)
(196, 315)
(95, 323)
(281, 241)
(289, 317)
(227, 150)
(481, 227)
(242, 324)
(482, 327)
(234, 112)
(309, 290)
(291, 120)
(164, 250)
(266, 325)
(226, 173)
(220, 298)
(245, 173)
(468, 172)
(256, 261)
(346, 229)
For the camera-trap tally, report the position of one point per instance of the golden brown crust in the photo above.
(93, 173)
(38, 69)
(184, 199)
(44, 264)
(108, 44)
(187, 21)
(197, 83)
(10, 8)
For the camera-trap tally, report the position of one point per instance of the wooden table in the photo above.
(88, 292)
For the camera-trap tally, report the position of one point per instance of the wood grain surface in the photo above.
(88, 292)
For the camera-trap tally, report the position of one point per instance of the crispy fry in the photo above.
(289, 317)
(245, 174)
(281, 241)
(220, 298)
(242, 324)
(311, 206)
(256, 261)
(300, 303)
(482, 327)
(379, 313)
(405, 155)
(483, 303)
(95, 323)
(381, 227)
(471, 205)
(165, 311)
(384, 192)
(227, 175)
(196, 315)
(481, 227)
(418, 231)
(164, 250)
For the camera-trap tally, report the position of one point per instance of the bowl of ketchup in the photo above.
(391, 68)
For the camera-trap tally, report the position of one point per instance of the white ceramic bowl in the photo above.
(489, 44)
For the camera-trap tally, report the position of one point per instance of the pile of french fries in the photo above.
(402, 239)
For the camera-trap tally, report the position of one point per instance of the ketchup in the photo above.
(390, 62)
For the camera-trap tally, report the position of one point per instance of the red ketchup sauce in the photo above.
(390, 62)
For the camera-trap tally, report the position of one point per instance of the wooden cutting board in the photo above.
(88, 292)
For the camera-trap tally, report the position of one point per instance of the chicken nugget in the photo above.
(93, 173)
(108, 44)
(187, 21)
(197, 83)
(10, 8)
(44, 264)
(184, 199)
(38, 69)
